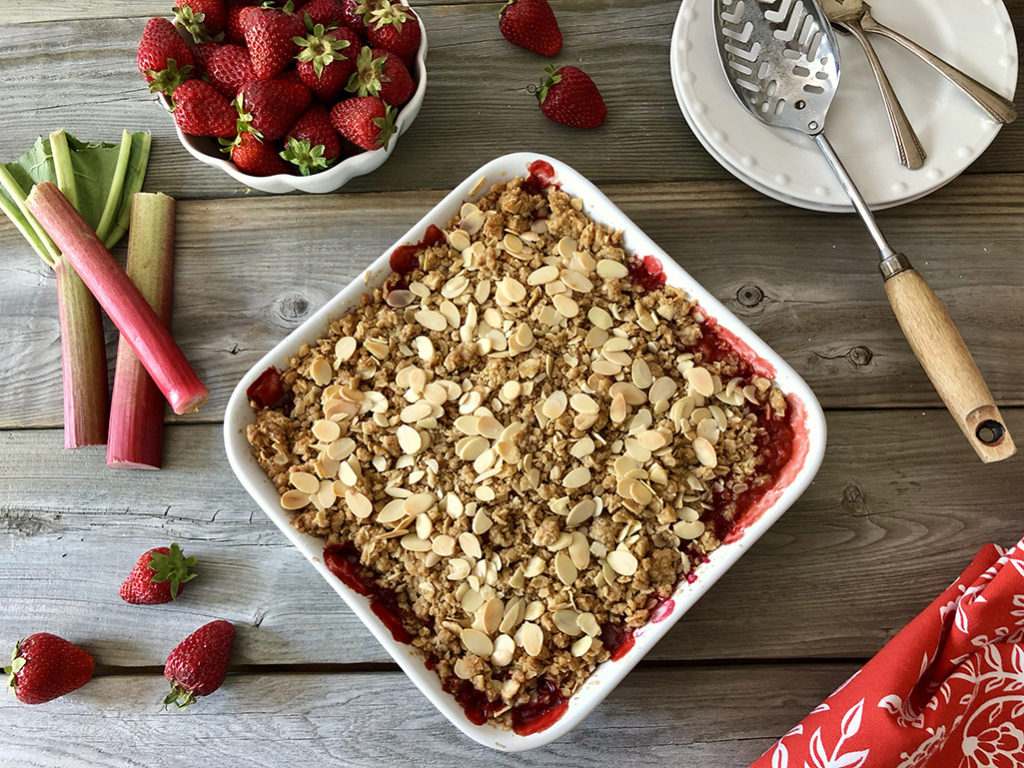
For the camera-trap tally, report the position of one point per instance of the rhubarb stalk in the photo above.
(137, 407)
(120, 299)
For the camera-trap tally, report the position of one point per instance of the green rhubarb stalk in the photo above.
(110, 208)
(137, 411)
(138, 161)
(83, 347)
(25, 221)
(132, 316)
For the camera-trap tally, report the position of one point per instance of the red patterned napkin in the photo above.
(946, 692)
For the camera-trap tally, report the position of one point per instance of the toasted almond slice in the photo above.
(600, 318)
(708, 429)
(555, 404)
(321, 371)
(576, 280)
(424, 526)
(458, 569)
(473, 222)
(305, 482)
(477, 642)
(579, 550)
(565, 570)
(652, 439)
(622, 562)
(450, 313)
(503, 643)
(662, 389)
(418, 410)
(641, 373)
(399, 298)
(419, 289)
(485, 461)
(588, 623)
(471, 597)
(606, 368)
(358, 504)
(431, 320)
(485, 493)
(617, 411)
(470, 544)
(492, 612)
(510, 391)
(576, 478)
(326, 430)
(377, 347)
(545, 274)
(701, 381)
(581, 646)
(410, 440)
(582, 403)
(611, 270)
(535, 567)
(467, 425)
(294, 499)
(471, 448)
(632, 393)
(705, 451)
(566, 306)
(580, 513)
(513, 244)
(443, 545)
(582, 447)
(531, 638)
(419, 503)
(512, 289)
(566, 621)
(455, 287)
(424, 348)
(470, 401)
(459, 240)
(567, 247)
(414, 543)
(392, 512)
(688, 529)
(345, 348)
(489, 427)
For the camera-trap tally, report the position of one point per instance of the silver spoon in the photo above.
(782, 61)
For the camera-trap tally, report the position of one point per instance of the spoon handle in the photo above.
(908, 146)
(999, 108)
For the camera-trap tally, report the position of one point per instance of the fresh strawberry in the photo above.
(269, 35)
(158, 576)
(329, 13)
(312, 143)
(258, 158)
(531, 24)
(45, 666)
(198, 666)
(163, 58)
(201, 110)
(396, 28)
(326, 60)
(356, 13)
(290, 76)
(201, 55)
(203, 19)
(365, 121)
(229, 68)
(381, 73)
(237, 12)
(569, 96)
(269, 108)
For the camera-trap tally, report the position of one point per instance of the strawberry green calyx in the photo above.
(505, 7)
(166, 80)
(365, 10)
(308, 159)
(386, 125)
(545, 84)
(179, 697)
(369, 76)
(172, 567)
(244, 121)
(395, 15)
(17, 662)
(320, 48)
(193, 23)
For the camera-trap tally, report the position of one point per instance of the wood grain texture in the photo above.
(476, 106)
(248, 271)
(865, 549)
(714, 717)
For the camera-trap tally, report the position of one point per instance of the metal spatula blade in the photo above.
(782, 61)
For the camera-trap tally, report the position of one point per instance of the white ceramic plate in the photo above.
(208, 151)
(974, 35)
(797, 475)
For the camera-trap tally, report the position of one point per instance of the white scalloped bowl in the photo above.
(795, 477)
(208, 151)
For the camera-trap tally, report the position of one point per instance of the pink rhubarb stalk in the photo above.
(137, 411)
(120, 299)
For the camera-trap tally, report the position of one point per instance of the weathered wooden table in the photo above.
(897, 510)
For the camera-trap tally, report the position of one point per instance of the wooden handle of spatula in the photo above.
(947, 361)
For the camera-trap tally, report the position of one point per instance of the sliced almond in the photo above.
(409, 439)
(622, 562)
(566, 621)
(345, 348)
(491, 614)
(581, 646)
(304, 482)
(414, 543)
(470, 544)
(582, 403)
(294, 499)
(566, 306)
(611, 270)
(545, 274)
(576, 478)
(459, 240)
(589, 624)
(582, 447)
(641, 373)
(555, 404)
(443, 545)
(477, 642)
(705, 451)
(701, 381)
(458, 569)
(580, 513)
(688, 529)
(531, 638)
(617, 410)
(358, 504)
(565, 569)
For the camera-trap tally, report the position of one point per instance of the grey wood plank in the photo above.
(715, 717)
(250, 270)
(869, 545)
(476, 106)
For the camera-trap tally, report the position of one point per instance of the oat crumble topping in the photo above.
(524, 448)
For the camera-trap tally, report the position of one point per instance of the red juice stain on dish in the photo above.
(403, 258)
(546, 708)
(475, 704)
(343, 561)
(542, 176)
(662, 610)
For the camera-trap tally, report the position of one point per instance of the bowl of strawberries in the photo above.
(303, 95)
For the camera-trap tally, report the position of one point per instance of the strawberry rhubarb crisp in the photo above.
(518, 447)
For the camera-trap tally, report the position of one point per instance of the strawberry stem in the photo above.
(172, 567)
(179, 697)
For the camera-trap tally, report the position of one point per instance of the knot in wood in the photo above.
(749, 296)
(292, 308)
(860, 356)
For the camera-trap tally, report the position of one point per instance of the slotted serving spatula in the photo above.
(782, 61)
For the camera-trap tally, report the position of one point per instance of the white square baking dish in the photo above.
(807, 455)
